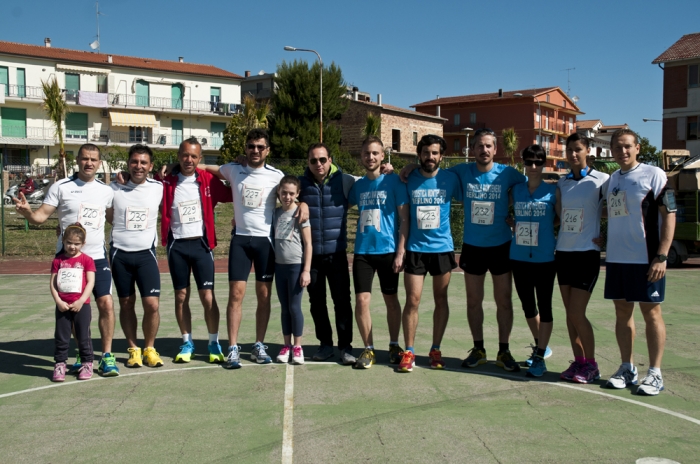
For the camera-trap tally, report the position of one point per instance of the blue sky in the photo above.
(409, 51)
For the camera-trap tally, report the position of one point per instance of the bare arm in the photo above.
(34, 217)
(403, 236)
(76, 305)
(60, 304)
(109, 214)
(305, 278)
(668, 225)
(212, 170)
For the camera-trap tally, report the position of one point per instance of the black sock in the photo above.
(503, 347)
(540, 352)
(537, 342)
(479, 344)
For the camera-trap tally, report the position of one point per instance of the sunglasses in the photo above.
(252, 146)
(533, 162)
(318, 160)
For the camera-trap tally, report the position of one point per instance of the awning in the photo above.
(81, 69)
(125, 119)
(25, 142)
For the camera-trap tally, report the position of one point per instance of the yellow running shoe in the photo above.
(151, 357)
(135, 358)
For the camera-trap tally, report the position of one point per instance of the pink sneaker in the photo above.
(59, 372)
(85, 372)
(587, 374)
(283, 357)
(298, 355)
(569, 374)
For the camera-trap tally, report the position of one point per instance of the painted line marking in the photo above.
(288, 427)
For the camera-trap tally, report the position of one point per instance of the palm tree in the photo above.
(510, 143)
(373, 125)
(255, 114)
(56, 109)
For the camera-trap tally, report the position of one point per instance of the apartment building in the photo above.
(114, 100)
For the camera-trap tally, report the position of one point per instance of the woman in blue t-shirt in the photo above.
(532, 252)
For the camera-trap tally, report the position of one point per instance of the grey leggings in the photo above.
(289, 292)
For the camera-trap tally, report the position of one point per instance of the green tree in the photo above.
(253, 116)
(56, 109)
(373, 125)
(648, 153)
(115, 158)
(295, 121)
(510, 143)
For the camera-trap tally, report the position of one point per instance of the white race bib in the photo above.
(69, 280)
(252, 196)
(482, 212)
(370, 218)
(428, 217)
(190, 211)
(136, 218)
(284, 229)
(90, 216)
(617, 204)
(572, 220)
(526, 233)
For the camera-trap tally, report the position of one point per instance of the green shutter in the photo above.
(176, 96)
(217, 133)
(72, 86)
(21, 83)
(216, 92)
(176, 131)
(14, 122)
(76, 125)
(141, 93)
(4, 79)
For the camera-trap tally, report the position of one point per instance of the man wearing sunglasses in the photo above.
(253, 187)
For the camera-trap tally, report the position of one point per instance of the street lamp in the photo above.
(656, 120)
(320, 62)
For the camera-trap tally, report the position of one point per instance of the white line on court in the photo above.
(288, 429)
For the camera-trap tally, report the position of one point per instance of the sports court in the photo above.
(324, 412)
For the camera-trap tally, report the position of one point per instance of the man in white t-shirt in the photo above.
(641, 221)
(254, 189)
(84, 199)
(132, 254)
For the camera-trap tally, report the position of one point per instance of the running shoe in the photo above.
(324, 352)
(59, 372)
(259, 355)
(436, 361)
(186, 353)
(365, 360)
(588, 373)
(395, 354)
(506, 361)
(537, 367)
(283, 357)
(152, 358)
(85, 372)
(297, 355)
(135, 357)
(76, 366)
(215, 353)
(547, 354)
(475, 358)
(106, 368)
(233, 360)
(651, 385)
(571, 371)
(623, 377)
(408, 362)
(346, 357)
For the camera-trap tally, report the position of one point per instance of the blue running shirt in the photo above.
(431, 199)
(533, 239)
(486, 202)
(377, 200)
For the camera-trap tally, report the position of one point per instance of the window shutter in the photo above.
(681, 128)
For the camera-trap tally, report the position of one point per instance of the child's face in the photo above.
(287, 194)
(72, 245)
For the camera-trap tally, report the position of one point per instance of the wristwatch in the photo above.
(662, 258)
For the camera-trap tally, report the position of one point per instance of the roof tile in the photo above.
(687, 47)
(486, 96)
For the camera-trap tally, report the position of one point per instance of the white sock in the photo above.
(655, 370)
(214, 337)
(629, 366)
(369, 347)
(187, 338)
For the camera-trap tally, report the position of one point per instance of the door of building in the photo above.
(177, 131)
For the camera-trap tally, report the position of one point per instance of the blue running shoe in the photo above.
(215, 353)
(108, 366)
(547, 354)
(259, 355)
(75, 368)
(233, 360)
(537, 368)
(185, 354)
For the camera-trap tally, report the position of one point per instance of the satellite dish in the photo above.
(575, 98)
(95, 45)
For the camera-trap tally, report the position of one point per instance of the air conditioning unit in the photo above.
(104, 113)
(204, 142)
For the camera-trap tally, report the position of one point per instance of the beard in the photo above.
(429, 167)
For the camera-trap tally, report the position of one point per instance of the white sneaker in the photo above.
(297, 355)
(623, 377)
(283, 357)
(651, 385)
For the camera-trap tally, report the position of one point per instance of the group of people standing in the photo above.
(403, 225)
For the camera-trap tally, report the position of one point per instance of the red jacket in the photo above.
(211, 191)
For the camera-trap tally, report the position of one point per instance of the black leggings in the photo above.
(531, 279)
(64, 322)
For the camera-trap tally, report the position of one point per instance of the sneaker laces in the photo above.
(60, 369)
(652, 379)
(285, 350)
(261, 350)
(232, 353)
(297, 351)
(624, 373)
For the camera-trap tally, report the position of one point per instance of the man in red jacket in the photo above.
(187, 230)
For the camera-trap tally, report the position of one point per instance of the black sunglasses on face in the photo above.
(533, 162)
(252, 146)
(318, 160)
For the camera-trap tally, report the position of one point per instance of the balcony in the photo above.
(23, 132)
(185, 105)
(452, 128)
(110, 137)
(555, 127)
(556, 154)
(24, 91)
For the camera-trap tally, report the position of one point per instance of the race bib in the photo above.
(252, 196)
(428, 217)
(190, 211)
(69, 280)
(572, 220)
(526, 233)
(284, 228)
(482, 212)
(370, 218)
(136, 218)
(90, 216)
(617, 204)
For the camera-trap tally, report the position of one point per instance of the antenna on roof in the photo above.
(568, 80)
(96, 44)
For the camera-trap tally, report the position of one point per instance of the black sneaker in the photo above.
(395, 352)
(324, 352)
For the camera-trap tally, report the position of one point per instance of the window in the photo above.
(142, 93)
(396, 140)
(217, 134)
(101, 83)
(72, 86)
(547, 98)
(259, 87)
(692, 128)
(21, 83)
(176, 128)
(215, 97)
(537, 115)
(139, 134)
(456, 145)
(176, 94)
(693, 75)
(4, 79)
(564, 103)
(415, 139)
(77, 126)
(472, 118)
(457, 118)
(14, 122)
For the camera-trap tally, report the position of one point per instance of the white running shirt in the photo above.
(84, 202)
(187, 202)
(581, 206)
(136, 215)
(254, 197)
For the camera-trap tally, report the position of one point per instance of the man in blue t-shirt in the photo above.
(379, 247)
(430, 248)
(486, 245)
